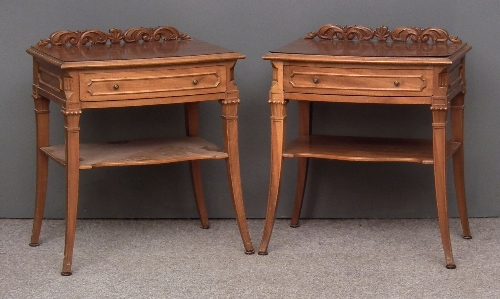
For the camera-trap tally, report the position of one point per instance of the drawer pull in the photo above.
(116, 86)
(396, 83)
(315, 80)
(195, 82)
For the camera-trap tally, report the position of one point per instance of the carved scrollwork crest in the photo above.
(342, 32)
(115, 36)
(418, 35)
(382, 33)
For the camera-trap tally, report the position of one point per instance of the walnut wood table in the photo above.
(141, 66)
(356, 64)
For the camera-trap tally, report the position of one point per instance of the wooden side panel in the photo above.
(49, 82)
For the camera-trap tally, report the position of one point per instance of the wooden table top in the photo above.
(369, 48)
(135, 46)
(130, 51)
(333, 43)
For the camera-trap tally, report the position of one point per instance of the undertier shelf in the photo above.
(139, 152)
(370, 149)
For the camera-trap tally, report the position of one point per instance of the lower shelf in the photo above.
(368, 149)
(139, 152)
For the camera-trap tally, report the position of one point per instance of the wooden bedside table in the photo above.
(359, 65)
(141, 66)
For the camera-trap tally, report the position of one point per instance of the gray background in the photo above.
(335, 189)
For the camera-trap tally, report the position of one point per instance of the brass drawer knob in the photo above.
(116, 86)
(396, 83)
(195, 82)
(315, 80)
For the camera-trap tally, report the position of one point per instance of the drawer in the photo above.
(358, 81)
(160, 82)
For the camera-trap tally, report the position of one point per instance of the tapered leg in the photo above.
(278, 114)
(304, 130)
(303, 164)
(439, 149)
(191, 117)
(42, 160)
(230, 127)
(71, 119)
(457, 134)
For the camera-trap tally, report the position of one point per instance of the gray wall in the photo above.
(335, 189)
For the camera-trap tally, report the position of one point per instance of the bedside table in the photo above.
(355, 64)
(141, 66)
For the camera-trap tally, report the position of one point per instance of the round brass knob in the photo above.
(315, 80)
(396, 83)
(116, 86)
(195, 81)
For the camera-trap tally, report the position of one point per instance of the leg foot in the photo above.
(467, 237)
(451, 266)
(249, 252)
(294, 225)
(195, 168)
(34, 244)
(63, 273)
(205, 226)
(262, 253)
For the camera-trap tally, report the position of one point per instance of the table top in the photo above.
(93, 46)
(130, 51)
(333, 41)
(369, 48)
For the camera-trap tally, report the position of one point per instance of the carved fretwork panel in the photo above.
(115, 36)
(382, 33)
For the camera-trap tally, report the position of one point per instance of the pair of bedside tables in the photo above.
(158, 66)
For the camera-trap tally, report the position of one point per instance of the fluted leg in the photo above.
(278, 114)
(439, 149)
(42, 140)
(230, 127)
(457, 135)
(71, 119)
(191, 117)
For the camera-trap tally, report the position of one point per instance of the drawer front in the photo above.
(358, 81)
(164, 82)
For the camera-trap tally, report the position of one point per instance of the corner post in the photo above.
(229, 107)
(42, 140)
(439, 108)
(277, 103)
